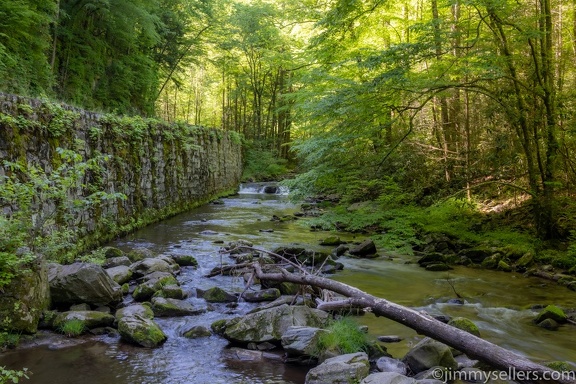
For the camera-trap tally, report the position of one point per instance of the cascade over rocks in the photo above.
(82, 283)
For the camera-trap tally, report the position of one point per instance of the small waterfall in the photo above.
(271, 188)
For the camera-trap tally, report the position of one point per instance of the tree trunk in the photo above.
(424, 324)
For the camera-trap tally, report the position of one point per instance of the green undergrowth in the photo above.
(263, 165)
(400, 228)
(343, 336)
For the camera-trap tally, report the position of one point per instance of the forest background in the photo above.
(421, 116)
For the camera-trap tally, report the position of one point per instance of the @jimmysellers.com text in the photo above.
(475, 375)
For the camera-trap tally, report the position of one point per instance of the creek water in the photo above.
(499, 303)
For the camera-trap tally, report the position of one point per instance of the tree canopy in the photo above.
(418, 99)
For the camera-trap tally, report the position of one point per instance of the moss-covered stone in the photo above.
(492, 261)
(111, 252)
(549, 324)
(218, 295)
(551, 312)
(438, 267)
(90, 319)
(196, 332)
(219, 326)
(503, 266)
(525, 261)
(24, 299)
(185, 260)
(141, 331)
(465, 325)
(331, 240)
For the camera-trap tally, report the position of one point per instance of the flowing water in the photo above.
(497, 302)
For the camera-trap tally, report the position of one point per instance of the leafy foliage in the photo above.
(263, 165)
(13, 376)
(41, 208)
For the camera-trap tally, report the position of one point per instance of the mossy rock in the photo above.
(89, 319)
(525, 261)
(549, 324)
(492, 261)
(465, 325)
(146, 290)
(438, 267)
(331, 241)
(219, 326)
(551, 312)
(218, 295)
(111, 252)
(139, 254)
(185, 260)
(503, 266)
(196, 332)
(141, 331)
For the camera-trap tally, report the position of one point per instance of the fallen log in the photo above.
(519, 367)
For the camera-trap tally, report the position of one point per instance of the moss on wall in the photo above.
(163, 169)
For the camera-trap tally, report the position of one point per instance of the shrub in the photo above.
(72, 328)
(343, 336)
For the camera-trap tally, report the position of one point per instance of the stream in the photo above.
(498, 302)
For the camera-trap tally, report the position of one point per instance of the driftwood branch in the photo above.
(424, 324)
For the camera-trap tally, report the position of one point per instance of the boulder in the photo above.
(269, 294)
(116, 261)
(111, 252)
(298, 340)
(388, 364)
(551, 312)
(465, 325)
(217, 295)
(90, 319)
(549, 324)
(271, 189)
(171, 291)
(135, 310)
(491, 262)
(429, 353)
(388, 378)
(24, 299)
(240, 354)
(196, 332)
(340, 250)
(120, 274)
(431, 258)
(504, 266)
(438, 267)
(185, 260)
(350, 368)
(82, 283)
(367, 248)
(141, 331)
(163, 307)
(151, 284)
(525, 261)
(331, 240)
(271, 324)
(138, 254)
(147, 266)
